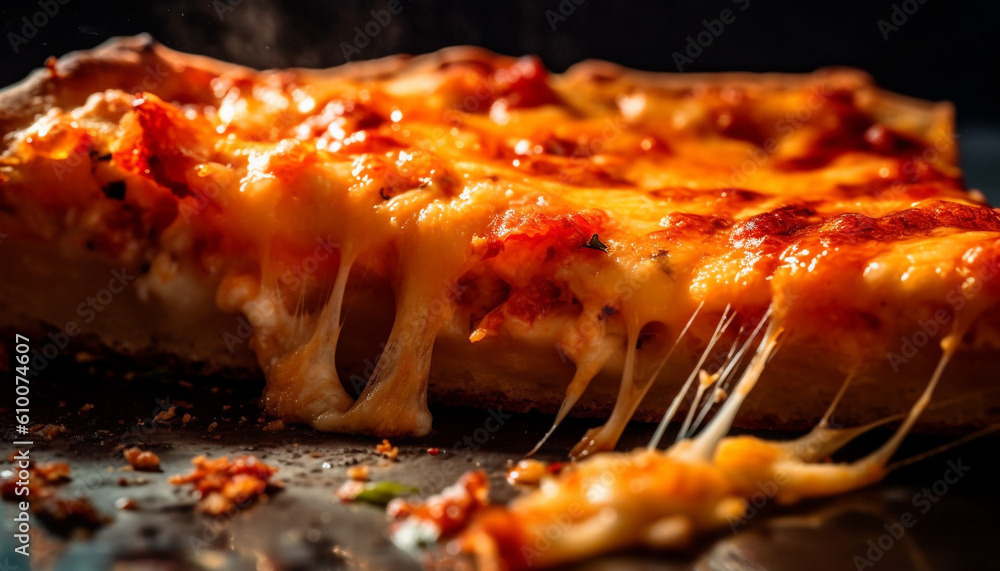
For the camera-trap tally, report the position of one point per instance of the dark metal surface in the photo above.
(306, 527)
(979, 149)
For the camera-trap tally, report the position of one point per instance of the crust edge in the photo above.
(122, 62)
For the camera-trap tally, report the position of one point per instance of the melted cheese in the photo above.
(821, 197)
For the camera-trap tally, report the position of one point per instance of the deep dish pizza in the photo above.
(468, 228)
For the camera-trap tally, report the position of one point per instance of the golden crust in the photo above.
(123, 63)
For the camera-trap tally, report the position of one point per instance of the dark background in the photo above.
(944, 49)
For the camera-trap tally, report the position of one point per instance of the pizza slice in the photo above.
(468, 228)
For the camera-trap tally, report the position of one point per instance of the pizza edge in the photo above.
(128, 60)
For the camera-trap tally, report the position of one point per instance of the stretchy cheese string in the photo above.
(825, 421)
(703, 445)
(330, 324)
(882, 455)
(722, 383)
(705, 381)
(394, 401)
(625, 408)
(302, 379)
(586, 369)
(822, 441)
(606, 435)
(943, 448)
(812, 480)
(675, 405)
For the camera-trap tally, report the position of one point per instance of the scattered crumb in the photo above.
(142, 460)
(720, 395)
(61, 515)
(165, 415)
(53, 472)
(65, 515)
(50, 431)
(226, 407)
(83, 357)
(186, 384)
(8, 489)
(358, 473)
(125, 482)
(213, 426)
(350, 490)
(186, 418)
(86, 407)
(126, 504)
(448, 511)
(527, 472)
(387, 450)
(225, 486)
(433, 451)
(274, 426)
(40, 482)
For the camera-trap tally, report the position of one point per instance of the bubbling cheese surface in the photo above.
(575, 210)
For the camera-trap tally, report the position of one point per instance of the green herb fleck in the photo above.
(381, 493)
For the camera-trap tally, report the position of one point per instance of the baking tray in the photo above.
(304, 526)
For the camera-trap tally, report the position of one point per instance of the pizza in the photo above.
(467, 228)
